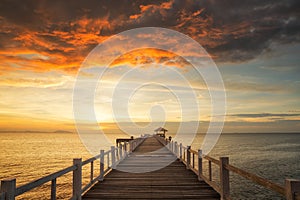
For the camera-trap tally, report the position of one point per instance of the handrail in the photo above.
(188, 156)
(113, 156)
(213, 160)
(261, 181)
(29, 186)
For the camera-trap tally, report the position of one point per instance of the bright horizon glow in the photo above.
(25, 111)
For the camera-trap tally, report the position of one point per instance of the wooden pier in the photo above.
(171, 182)
(150, 168)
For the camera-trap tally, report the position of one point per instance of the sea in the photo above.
(28, 156)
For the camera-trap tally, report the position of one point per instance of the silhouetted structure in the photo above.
(161, 132)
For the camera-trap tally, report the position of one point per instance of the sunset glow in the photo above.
(43, 45)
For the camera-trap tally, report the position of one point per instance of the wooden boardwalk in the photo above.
(151, 172)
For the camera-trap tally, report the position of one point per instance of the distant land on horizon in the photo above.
(32, 131)
(64, 131)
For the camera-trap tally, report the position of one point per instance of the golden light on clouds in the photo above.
(143, 57)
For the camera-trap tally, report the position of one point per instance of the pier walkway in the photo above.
(134, 177)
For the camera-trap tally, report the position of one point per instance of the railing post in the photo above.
(101, 165)
(113, 157)
(9, 187)
(92, 172)
(292, 186)
(130, 146)
(199, 164)
(180, 151)
(53, 189)
(224, 178)
(77, 178)
(125, 148)
(176, 149)
(209, 170)
(121, 151)
(188, 157)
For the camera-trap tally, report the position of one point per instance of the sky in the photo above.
(254, 44)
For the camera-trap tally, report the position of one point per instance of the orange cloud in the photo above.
(40, 50)
(153, 8)
(37, 61)
(150, 56)
(63, 45)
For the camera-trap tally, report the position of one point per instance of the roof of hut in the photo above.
(160, 129)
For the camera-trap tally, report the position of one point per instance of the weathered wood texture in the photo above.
(151, 172)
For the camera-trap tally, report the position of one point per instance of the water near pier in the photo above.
(28, 156)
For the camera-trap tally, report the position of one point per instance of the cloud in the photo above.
(143, 57)
(33, 82)
(261, 115)
(66, 32)
(253, 86)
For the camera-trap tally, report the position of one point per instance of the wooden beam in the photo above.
(9, 187)
(292, 188)
(77, 178)
(224, 178)
(199, 164)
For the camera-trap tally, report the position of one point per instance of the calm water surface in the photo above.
(28, 156)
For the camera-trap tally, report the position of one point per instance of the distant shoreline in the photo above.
(64, 131)
(27, 131)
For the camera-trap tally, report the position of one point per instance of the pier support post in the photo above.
(224, 178)
(77, 180)
(199, 164)
(101, 165)
(113, 157)
(9, 187)
(292, 188)
(188, 157)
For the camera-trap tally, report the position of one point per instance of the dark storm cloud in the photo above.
(230, 30)
(267, 22)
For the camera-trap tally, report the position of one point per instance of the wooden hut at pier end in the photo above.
(161, 132)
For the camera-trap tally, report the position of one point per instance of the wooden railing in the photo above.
(194, 161)
(108, 161)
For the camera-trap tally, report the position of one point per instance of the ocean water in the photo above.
(272, 156)
(28, 156)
